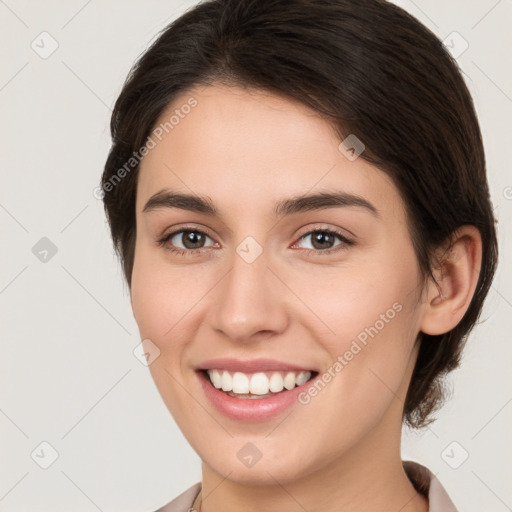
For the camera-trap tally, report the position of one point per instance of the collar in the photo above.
(426, 483)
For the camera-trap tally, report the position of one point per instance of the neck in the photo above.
(370, 477)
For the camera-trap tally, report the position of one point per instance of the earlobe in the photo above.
(456, 278)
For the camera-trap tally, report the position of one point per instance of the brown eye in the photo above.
(185, 241)
(324, 240)
(192, 239)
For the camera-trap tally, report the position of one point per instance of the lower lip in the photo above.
(247, 409)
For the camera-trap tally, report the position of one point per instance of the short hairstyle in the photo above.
(369, 68)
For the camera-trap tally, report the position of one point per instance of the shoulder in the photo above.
(427, 484)
(183, 502)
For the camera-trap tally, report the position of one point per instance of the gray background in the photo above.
(68, 373)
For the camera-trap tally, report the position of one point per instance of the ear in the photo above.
(457, 275)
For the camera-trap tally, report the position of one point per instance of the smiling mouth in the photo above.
(256, 385)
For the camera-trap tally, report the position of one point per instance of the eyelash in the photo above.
(197, 252)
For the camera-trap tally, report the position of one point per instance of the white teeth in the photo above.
(259, 384)
(227, 382)
(302, 378)
(276, 383)
(240, 383)
(216, 378)
(289, 380)
(256, 383)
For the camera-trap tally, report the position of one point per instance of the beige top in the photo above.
(423, 480)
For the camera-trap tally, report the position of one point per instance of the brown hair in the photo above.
(374, 71)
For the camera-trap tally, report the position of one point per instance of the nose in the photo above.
(251, 302)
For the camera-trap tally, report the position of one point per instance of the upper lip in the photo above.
(249, 366)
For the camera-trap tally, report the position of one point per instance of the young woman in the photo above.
(297, 191)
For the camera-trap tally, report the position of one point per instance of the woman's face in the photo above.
(343, 304)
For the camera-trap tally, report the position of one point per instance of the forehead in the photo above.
(249, 148)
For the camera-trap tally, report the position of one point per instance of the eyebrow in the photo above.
(297, 204)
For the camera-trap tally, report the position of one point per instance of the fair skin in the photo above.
(247, 150)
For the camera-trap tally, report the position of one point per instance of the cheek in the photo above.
(161, 295)
(147, 301)
(354, 301)
(161, 303)
(367, 364)
(372, 315)
(166, 301)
